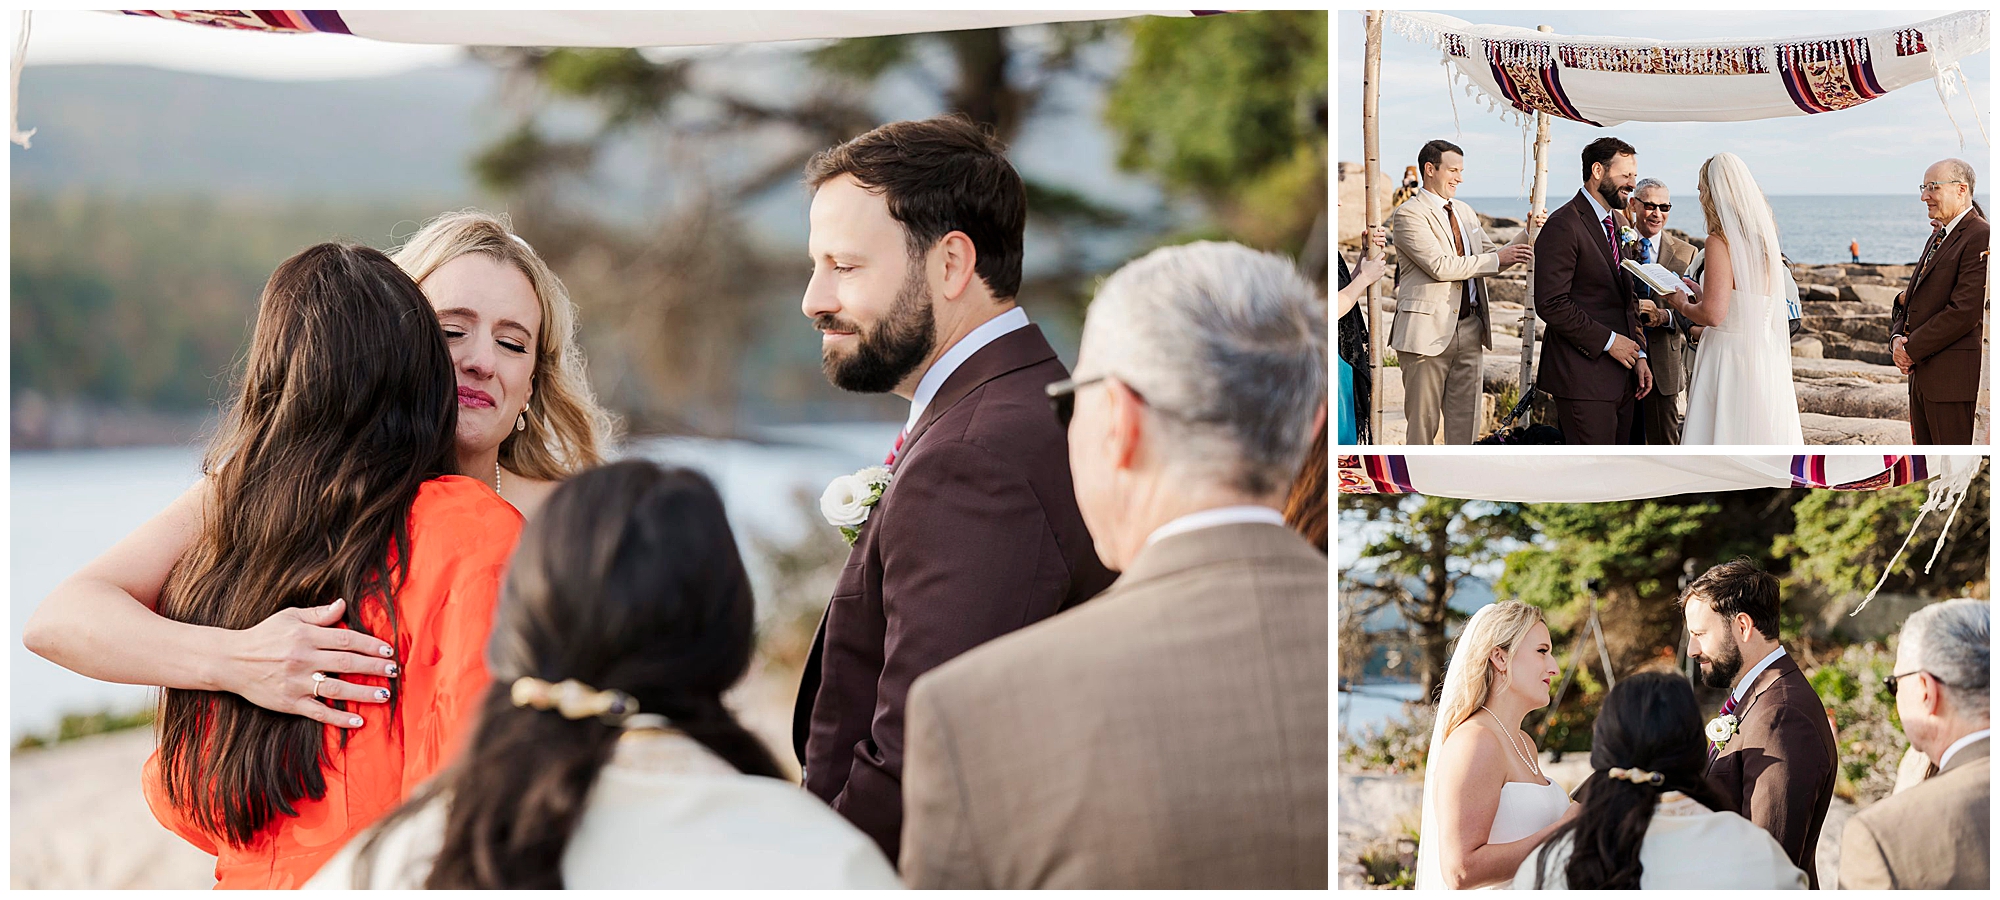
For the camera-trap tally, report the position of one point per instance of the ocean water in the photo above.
(1812, 229)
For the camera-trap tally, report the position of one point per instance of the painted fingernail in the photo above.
(387, 650)
(381, 693)
(356, 721)
(395, 670)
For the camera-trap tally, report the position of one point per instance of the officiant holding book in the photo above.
(1660, 413)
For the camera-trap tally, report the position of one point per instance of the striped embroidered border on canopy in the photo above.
(1610, 80)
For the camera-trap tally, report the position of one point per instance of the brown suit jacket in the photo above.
(1583, 297)
(1941, 312)
(1934, 835)
(1169, 734)
(977, 535)
(1779, 766)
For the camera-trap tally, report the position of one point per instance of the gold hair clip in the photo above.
(1638, 776)
(574, 699)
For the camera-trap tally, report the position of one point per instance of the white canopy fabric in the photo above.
(1609, 80)
(620, 28)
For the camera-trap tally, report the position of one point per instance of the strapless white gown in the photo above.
(1525, 808)
(1740, 391)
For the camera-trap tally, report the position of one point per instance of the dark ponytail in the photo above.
(1649, 721)
(630, 580)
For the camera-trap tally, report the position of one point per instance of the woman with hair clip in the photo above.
(330, 478)
(604, 756)
(1486, 802)
(526, 420)
(1650, 819)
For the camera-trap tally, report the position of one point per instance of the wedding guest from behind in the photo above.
(916, 244)
(1356, 382)
(1172, 732)
(525, 411)
(1938, 833)
(1649, 818)
(1443, 325)
(1486, 804)
(1660, 412)
(330, 478)
(1592, 362)
(604, 756)
(1935, 328)
(1774, 755)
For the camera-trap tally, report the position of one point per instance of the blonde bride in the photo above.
(1486, 802)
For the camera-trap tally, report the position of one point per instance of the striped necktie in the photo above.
(898, 449)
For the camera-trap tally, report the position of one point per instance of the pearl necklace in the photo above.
(1511, 742)
(496, 476)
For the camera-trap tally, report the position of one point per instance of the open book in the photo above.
(1653, 275)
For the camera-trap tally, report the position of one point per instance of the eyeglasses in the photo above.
(1890, 681)
(1657, 207)
(1932, 187)
(1062, 397)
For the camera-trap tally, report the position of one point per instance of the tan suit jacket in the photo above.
(1934, 835)
(1663, 343)
(1428, 276)
(1169, 734)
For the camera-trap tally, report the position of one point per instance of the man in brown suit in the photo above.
(1778, 761)
(1660, 413)
(916, 244)
(1935, 332)
(1938, 833)
(1592, 362)
(1172, 732)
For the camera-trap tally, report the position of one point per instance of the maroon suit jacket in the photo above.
(1779, 766)
(1583, 297)
(1941, 312)
(977, 535)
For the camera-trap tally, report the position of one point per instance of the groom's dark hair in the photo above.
(1603, 150)
(1739, 586)
(941, 175)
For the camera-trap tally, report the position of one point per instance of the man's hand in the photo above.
(1537, 220)
(1645, 379)
(1625, 350)
(1650, 315)
(1514, 254)
(1899, 351)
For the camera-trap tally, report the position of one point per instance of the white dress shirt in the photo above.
(1601, 212)
(1441, 204)
(1210, 518)
(927, 387)
(1959, 744)
(1756, 670)
(1948, 226)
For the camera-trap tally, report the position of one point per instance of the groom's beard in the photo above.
(887, 353)
(1719, 670)
(1608, 192)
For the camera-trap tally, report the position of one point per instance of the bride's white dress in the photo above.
(1740, 391)
(1525, 808)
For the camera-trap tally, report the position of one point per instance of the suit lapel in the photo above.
(1595, 228)
(1017, 349)
(1765, 680)
(1947, 245)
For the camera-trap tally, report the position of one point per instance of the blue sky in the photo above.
(1879, 147)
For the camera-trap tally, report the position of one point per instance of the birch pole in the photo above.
(1537, 203)
(1371, 90)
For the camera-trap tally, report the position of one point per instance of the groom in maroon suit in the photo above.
(1774, 752)
(916, 246)
(1594, 361)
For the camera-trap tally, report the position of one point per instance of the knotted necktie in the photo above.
(1611, 237)
(1465, 299)
(1930, 251)
(891, 460)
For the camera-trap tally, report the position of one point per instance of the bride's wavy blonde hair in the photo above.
(567, 431)
(1501, 625)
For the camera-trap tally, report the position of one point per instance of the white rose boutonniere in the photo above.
(1626, 235)
(1721, 729)
(849, 498)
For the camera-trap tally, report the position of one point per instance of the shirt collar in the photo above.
(1210, 518)
(927, 387)
(1957, 745)
(1948, 226)
(1595, 204)
(1743, 687)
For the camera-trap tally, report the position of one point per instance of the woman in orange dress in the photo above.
(330, 480)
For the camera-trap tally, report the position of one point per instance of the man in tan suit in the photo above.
(1660, 412)
(1443, 327)
(1172, 732)
(1936, 834)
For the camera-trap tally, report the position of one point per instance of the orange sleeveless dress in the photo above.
(461, 536)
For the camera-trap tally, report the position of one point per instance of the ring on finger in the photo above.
(318, 679)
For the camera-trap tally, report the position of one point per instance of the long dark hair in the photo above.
(1305, 507)
(629, 580)
(1649, 721)
(346, 405)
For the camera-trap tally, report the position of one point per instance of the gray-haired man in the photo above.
(1936, 834)
(1660, 412)
(1172, 732)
